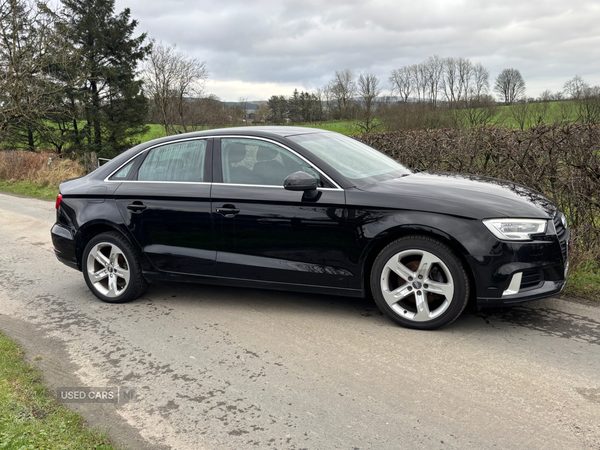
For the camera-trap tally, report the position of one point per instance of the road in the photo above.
(228, 368)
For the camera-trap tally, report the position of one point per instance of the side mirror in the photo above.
(302, 181)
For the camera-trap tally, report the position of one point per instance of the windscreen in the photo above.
(351, 158)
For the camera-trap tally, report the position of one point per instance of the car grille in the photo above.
(562, 234)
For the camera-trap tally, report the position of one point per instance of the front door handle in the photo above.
(228, 210)
(136, 207)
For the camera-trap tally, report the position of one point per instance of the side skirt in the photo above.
(237, 282)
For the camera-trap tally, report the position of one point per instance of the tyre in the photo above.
(418, 282)
(112, 269)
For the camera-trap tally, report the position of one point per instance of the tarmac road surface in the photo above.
(228, 368)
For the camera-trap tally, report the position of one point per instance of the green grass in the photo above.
(585, 281)
(343, 127)
(155, 131)
(505, 117)
(29, 417)
(30, 189)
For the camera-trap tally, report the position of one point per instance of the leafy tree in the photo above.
(278, 109)
(32, 53)
(113, 105)
(294, 107)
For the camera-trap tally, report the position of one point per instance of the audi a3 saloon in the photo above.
(312, 211)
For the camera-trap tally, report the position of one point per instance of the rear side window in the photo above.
(123, 172)
(181, 161)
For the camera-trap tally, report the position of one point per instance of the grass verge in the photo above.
(584, 281)
(30, 417)
(30, 189)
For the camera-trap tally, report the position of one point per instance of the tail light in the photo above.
(58, 200)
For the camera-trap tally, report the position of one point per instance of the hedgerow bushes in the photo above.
(562, 162)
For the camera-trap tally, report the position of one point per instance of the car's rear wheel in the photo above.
(112, 269)
(418, 282)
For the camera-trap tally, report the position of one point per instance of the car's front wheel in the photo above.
(418, 282)
(112, 270)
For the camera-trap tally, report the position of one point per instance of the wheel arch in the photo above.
(385, 238)
(92, 229)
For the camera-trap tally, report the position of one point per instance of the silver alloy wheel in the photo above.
(108, 269)
(419, 293)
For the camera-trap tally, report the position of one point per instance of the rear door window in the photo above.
(177, 162)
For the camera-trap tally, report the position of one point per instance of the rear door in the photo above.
(166, 206)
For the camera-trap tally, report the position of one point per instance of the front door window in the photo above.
(250, 161)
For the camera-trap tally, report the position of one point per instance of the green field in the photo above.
(344, 127)
(552, 115)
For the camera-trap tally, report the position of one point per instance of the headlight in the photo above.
(516, 229)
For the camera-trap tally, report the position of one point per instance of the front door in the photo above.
(267, 233)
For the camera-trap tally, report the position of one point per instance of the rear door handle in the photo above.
(228, 210)
(136, 207)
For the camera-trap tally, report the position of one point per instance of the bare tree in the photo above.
(402, 83)
(171, 79)
(433, 68)
(465, 75)
(481, 81)
(450, 82)
(343, 88)
(262, 113)
(213, 111)
(586, 98)
(510, 86)
(575, 88)
(368, 91)
(419, 79)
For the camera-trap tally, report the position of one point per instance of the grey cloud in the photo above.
(305, 42)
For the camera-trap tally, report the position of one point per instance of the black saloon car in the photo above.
(313, 211)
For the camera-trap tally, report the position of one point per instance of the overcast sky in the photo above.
(258, 48)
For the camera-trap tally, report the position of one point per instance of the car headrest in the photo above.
(266, 154)
(236, 152)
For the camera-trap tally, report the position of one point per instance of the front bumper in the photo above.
(520, 272)
(547, 289)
